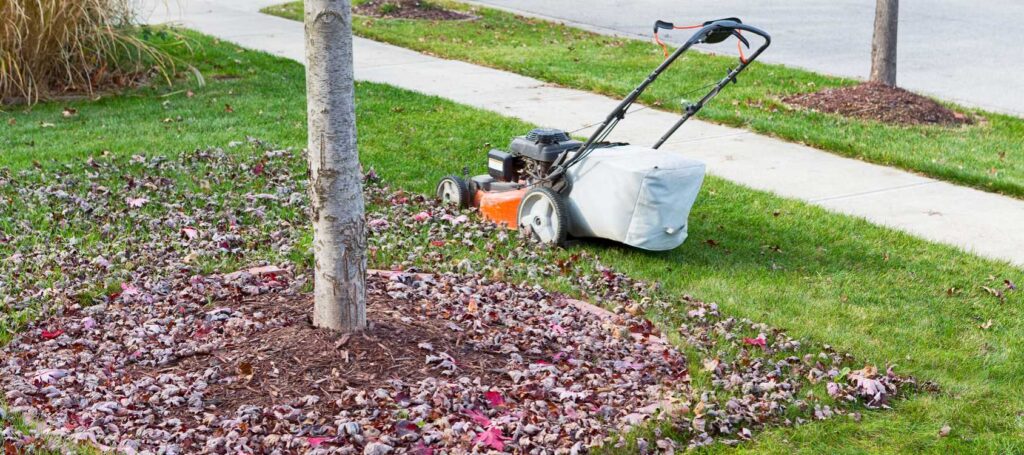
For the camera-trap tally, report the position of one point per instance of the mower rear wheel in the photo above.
(543, 216)
(453, 190)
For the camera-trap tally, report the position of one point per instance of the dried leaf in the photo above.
(491, 438)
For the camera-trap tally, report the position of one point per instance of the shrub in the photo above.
(56, 46)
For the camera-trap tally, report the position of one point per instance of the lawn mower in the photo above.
(551, 186)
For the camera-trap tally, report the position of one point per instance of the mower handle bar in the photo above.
(729, 26)
(713, 32)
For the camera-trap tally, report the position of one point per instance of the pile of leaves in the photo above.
(126, 273)
(122, 374)
(876, 101)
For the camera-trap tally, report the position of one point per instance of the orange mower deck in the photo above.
(501, 207)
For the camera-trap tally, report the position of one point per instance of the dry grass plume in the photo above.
(49, 47)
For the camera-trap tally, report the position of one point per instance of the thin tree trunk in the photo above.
(335, 181)
(883, 42)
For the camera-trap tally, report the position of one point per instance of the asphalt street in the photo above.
(960, 50)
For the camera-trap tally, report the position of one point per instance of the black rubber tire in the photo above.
(461, 188)
(559, 215)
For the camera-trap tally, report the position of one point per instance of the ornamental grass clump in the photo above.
(53, 47)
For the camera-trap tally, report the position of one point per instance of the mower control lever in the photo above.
(662, 25)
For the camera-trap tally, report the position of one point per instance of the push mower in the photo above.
(551, 186)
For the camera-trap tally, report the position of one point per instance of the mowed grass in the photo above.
(988, 155)
(883, 296)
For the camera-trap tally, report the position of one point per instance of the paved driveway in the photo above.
(962, 50)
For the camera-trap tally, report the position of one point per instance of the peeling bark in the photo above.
(335, 183)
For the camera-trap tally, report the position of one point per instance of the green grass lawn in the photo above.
(878, 294)
(988, 155)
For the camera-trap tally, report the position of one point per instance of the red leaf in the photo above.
(423, 449)
(421, 217)
(759, 341)
(478, 418)
(258, 169)
(49, 335)
(315, 442)
(491, 438)
(437, 242)
(494, 398)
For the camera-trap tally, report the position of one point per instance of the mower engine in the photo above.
(530, 157)
(499, 193)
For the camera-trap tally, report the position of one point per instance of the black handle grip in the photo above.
(662, 25)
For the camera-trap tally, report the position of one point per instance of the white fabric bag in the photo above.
(634, 195)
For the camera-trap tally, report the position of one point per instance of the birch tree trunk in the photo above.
(883, 42)
(335, 180)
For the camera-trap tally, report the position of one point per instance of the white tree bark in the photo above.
(883, 42)
(335, 180)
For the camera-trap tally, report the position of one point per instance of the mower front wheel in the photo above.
(453, 190)
(543, 216)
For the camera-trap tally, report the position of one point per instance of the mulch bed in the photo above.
(407, 9)
(874, 101)
(286, 363)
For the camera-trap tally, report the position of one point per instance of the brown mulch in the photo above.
(874, 101)
(407, 9)
(286, 363)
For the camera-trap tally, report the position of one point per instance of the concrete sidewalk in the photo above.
(984, 223)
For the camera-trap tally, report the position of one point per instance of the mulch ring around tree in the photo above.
(407, 9)
(449, 362)
(874, 101)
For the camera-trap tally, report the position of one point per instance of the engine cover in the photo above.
(543, 144)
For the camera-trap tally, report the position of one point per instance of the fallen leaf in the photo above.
(494, 398)
(423, 449)
(136, 202)
(49, 375)
(478, 418)
(759, 341)
(710, 364)
(315, 442)
(69, 112)
(492, 438)
(699, 409)
(245, 369)
(405, 427)
(51, 334)
(944, 431)
(995, 292)
(189, 232)
(228, 108)
(421, 217)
